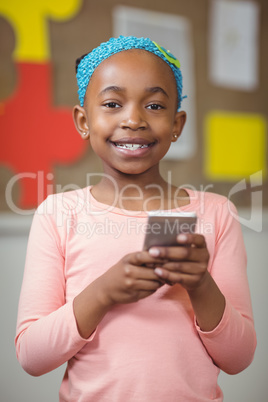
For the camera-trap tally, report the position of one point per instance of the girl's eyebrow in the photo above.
(157, 89)
(114, 88)
(111, 88)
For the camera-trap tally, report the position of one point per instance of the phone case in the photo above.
(163, 227)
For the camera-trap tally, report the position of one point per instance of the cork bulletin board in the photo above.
(38, 48)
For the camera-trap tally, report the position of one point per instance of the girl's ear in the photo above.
(81, 122)
(180, 119)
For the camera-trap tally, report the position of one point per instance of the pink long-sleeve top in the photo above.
(151, 350)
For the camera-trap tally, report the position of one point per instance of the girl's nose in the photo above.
(133, 120)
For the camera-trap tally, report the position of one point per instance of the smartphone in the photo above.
(163, 227)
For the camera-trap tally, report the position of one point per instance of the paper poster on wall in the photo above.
(174, 33)
(31, 156)
(233, 44)
(235, 145)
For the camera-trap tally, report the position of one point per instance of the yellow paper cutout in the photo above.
(29, 21)
(235, 145)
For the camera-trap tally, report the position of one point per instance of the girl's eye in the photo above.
(155, 106)
(111, 105)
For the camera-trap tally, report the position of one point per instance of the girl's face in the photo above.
(130, 112)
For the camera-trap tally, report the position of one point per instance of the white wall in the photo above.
(252, 384)
(17, 386)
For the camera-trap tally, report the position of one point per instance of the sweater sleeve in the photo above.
(232, 343)
(46, 334)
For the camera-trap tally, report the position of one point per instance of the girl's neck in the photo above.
(139, 192)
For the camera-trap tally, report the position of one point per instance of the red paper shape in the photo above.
(34, 134)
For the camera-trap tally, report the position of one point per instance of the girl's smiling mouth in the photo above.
(132, 144)
(132, 147)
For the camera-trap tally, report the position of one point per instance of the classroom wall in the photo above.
(227, 124)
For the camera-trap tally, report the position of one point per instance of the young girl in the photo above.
(133, 325)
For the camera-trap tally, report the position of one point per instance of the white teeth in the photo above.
(133, 147)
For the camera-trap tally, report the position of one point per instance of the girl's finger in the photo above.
(136, 273)
(189, 268)
(193, 239)
(145, 285)
(144, 258)
(182, 253)
(172, 278)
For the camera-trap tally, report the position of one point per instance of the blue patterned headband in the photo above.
(91, 61)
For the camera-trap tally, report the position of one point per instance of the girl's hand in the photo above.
(126, 282)
(134, 277)
(130, 280)
(187, 263)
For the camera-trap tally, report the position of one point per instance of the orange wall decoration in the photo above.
(34, 134)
